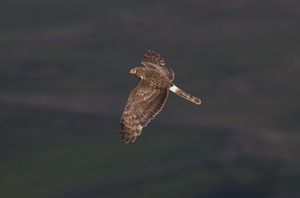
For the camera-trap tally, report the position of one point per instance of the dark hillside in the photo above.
(64, 83)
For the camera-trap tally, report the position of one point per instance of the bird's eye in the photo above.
(133, 71)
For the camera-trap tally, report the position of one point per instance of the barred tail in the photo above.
(185, 95)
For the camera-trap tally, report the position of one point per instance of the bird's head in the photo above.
(138, 72)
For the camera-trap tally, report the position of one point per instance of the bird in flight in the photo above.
(148, 98)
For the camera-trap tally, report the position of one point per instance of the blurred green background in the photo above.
(64, 83)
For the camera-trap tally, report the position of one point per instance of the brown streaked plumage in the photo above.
(148, 98)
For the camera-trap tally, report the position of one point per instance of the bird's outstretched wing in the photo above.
(143, 104)
(153, 61)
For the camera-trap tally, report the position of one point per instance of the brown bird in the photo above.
(148, 98)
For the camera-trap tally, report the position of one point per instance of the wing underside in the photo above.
(143, 104)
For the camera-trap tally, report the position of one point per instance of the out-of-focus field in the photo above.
(64, 83)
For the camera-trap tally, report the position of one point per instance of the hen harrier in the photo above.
(148, 98)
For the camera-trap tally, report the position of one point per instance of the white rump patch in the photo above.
(173, 88)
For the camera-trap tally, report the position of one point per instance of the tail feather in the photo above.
(185, 95)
